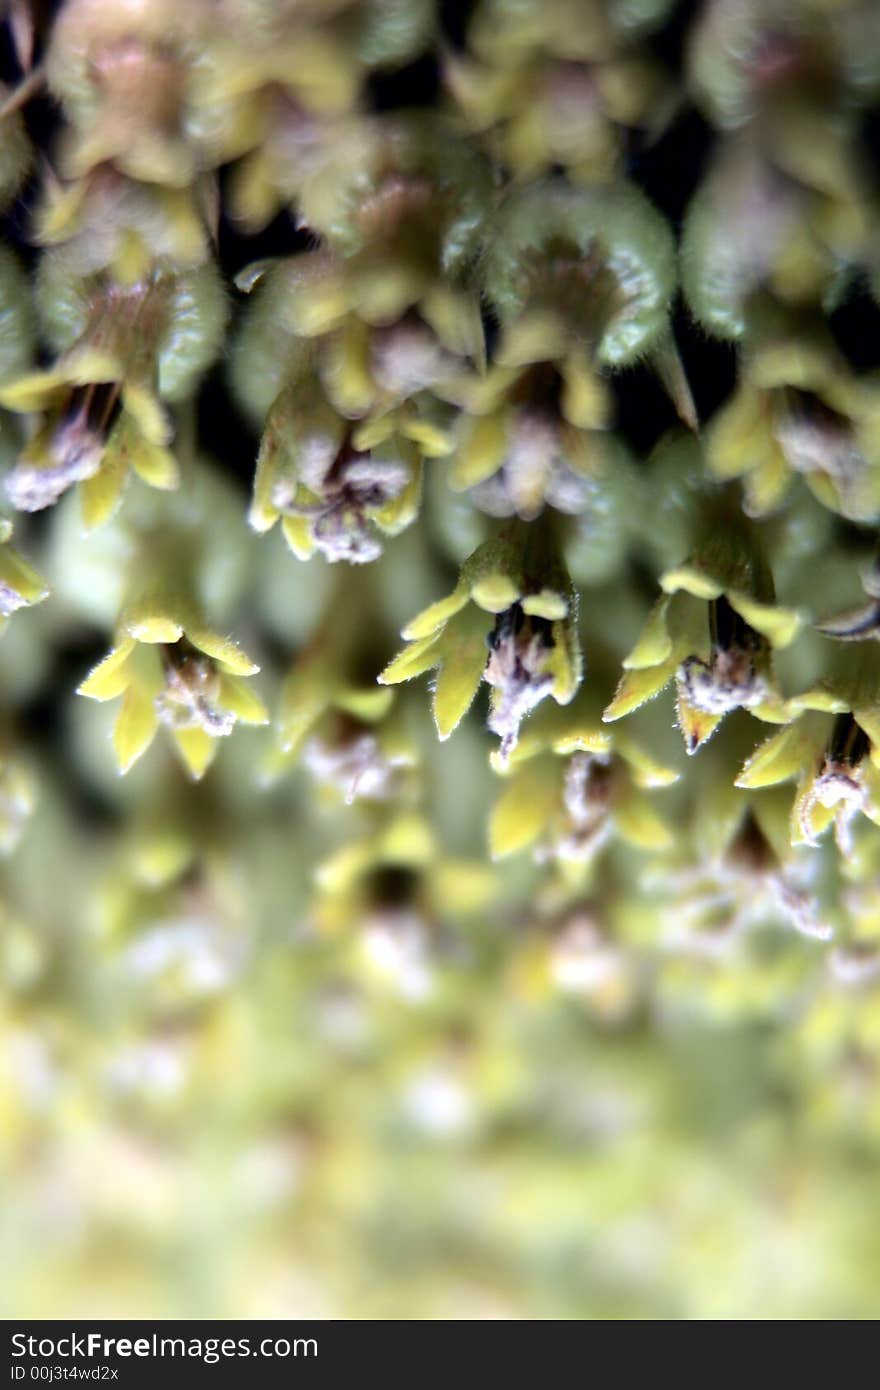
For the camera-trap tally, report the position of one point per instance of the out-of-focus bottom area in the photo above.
(331, 1124)
(263, 1055)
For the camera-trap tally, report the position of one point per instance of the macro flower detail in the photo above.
(548, 86)
(533, 647)
(283, 79)
(571, 785)
(340, 730)
(100, 404)
(799, 411)
(347, 351)
(331, 495)
(173, 671)
(712, 632)
(533, 439)
(581, 281)
(830, 747)
(122, 78)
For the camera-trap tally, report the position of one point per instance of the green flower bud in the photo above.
(592, 267)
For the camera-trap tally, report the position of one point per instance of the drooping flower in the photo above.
(123, 349)
(122, 74)
(551, 84)
(335, 490)
(277, 81)
(513, 596)
(338, 725)
(734, 869)
(800, 411)
(346, 350)
(768, 63)
(830, 747)
(172, 670)
(532, 436)
(572, 785)
(712, 632)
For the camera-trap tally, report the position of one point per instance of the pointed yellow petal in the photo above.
(101, 494)
(263, 513)
(298, 534)
(156, 465)
(148, 414)
(639, 824)
(654, 645)
(455, 318)
(243, 701)
(396, 515)
(365, 703)
(111, 675)
(430, 619)
(135, 727)
(646, 771)
(779, 625)
(432, 441)
(480, 451)
(222, 649)
(692, 581)
(546, 604)
(31, 393)
(767, 484)
(564, 662)
(414, 660)
(346, 369)
(695, 724)
(820, 697)
(586, 399)
(371, 434)
(495, 592)
(637, 687)
(739, 435)
(197, 749)
(524, 808)
(20, 577)
(464, 661)
(784, 755)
